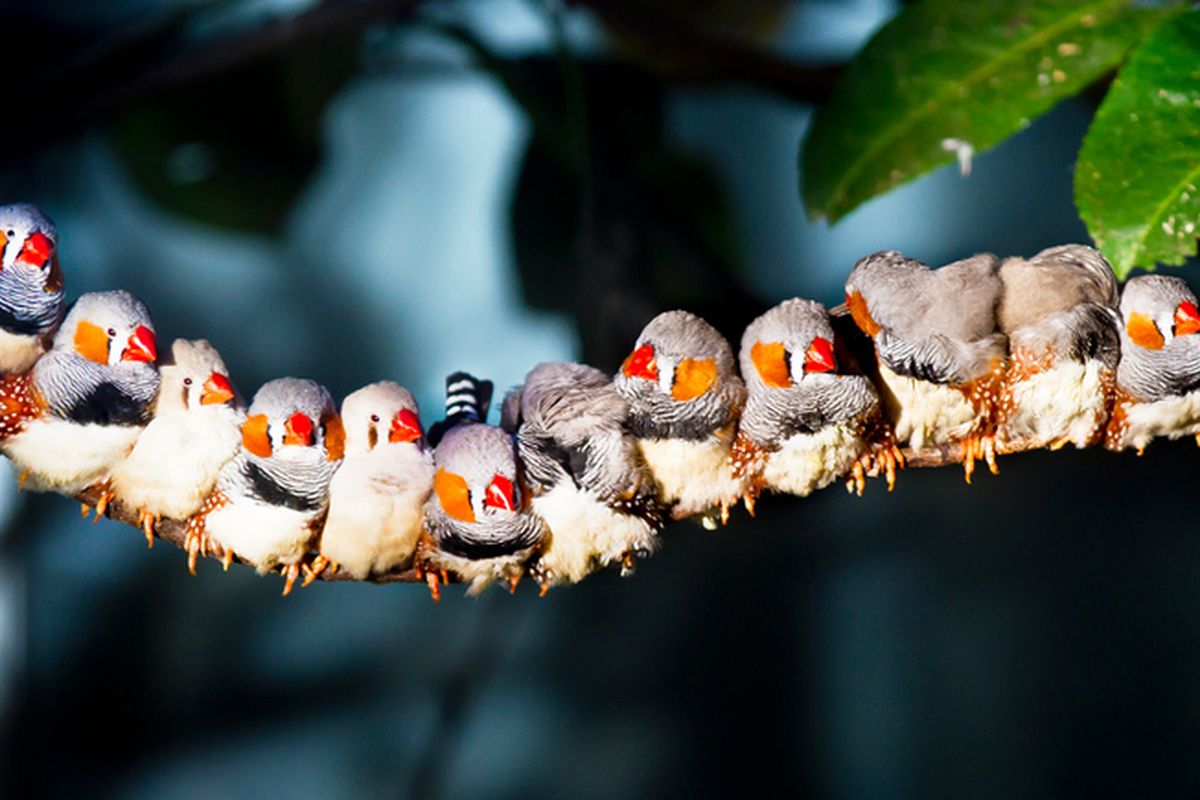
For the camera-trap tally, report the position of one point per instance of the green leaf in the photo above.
(1137, 183)
(947, 73)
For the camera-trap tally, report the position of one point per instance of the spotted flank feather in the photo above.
(19, 403)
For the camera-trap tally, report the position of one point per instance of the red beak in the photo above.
(406, 427)
(819, 356)
(1187, 319)
(298, 430)
(499, 494)
(37, 250)
(140, 346)
(217, 389)
(641, 364)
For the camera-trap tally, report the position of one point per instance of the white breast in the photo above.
(66, 457)
(375, 512)
(266, 536)
(585, 534)
(1172, 417)
(695, 476)
(1070, 399)
(809, 461)
(480, 573)
(175, 463)
(18, 351)
(925, 413)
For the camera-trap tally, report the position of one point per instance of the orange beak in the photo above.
(406, 427)
(140, 346)
(298, 430)
(37, 250)
(641, 364)
(216, 390)
(1187, 319)
(819, 356)
(499, 494)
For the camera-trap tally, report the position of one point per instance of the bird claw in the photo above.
(147, 521)
(749, 500)
(24, 476)
(513, 581)
(857, 481)
(290, 574)
(315, 569)
(725, 504)
(979, 448)
(196, 543)
(1059, 443)
(84, 510)
(102, 504)
(431, 580)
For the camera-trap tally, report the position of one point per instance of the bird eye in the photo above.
(112, 332)
(374, 418)
(10, 233)
(187, 381)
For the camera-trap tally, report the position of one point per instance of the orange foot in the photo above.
(318, 567)
(513, 581)
(147, 521)
(197, 543)
(106, 497)
(290, 573)
(979, 447)
(1059, 443)
(857, 481)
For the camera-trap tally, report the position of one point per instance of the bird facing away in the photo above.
(1059, 312)
(684, 399)
(270, 499)
(196, 429)
(941, 356)
(478, 521)
(806, 422)
(377, 496)
(80, 410)
(1158, 377)
(586, 474)
(31, 286)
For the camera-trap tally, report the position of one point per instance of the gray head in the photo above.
(381, 415)
(194, 377)
(293, 419)
(31, 280)
(680, 379)
(1100, 278)
(108, 328)
(790, 343)
(476, 476)
(1160, 348)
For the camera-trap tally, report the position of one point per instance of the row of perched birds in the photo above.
(584, 470)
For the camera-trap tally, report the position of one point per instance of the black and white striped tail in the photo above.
(467, 400)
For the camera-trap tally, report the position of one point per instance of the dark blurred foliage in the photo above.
(1033, 635)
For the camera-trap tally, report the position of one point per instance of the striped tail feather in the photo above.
(467, 400)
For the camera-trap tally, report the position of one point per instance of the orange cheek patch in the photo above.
(453, 495)
(254, 436)
(860, 314)
(335, 437)
(91, 342)
(770, 359)
(1144, 332)
(693, 377)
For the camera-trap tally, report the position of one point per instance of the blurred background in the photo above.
(353, 190)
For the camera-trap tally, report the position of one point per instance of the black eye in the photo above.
(187, 381)
(374, 418)
(112, 332)
(10, 233)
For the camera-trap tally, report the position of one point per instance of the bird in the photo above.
(587, 478)
(1059, 313)
(32, 301)
(807, 420)
(941, 356)
(271, 497)
(478, 522)
(71, 418)
(196, 430)
(1158, 376)
(377, 496)
(684, 399)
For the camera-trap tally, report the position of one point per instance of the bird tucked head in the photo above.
(293, 419)
(27, 242)
(476, 478)
(1156, 309)
(195, 377)
(109, 328)
(786, 345)
(873, 279)
(679, 356)
(379, 415)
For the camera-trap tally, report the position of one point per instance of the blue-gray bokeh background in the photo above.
(1035, 634)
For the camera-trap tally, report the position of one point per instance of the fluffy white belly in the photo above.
(175, 463)
(266, 536)
(585, 534)
(67, 457)
(369, 531)
(925, 413)
(810, 461)
(18, 352)
(1068, 400)
(1172, 417)
(694, 476)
